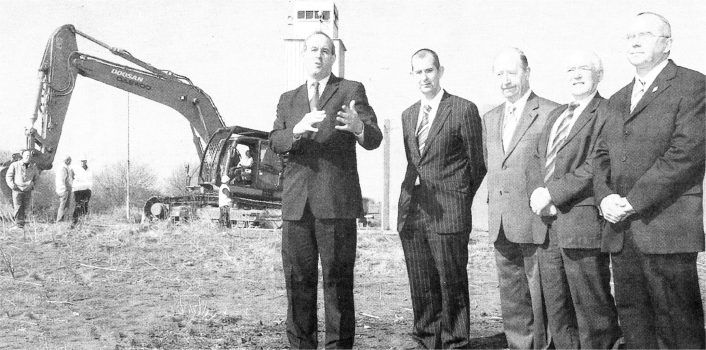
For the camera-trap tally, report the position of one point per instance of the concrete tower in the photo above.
(306, 18)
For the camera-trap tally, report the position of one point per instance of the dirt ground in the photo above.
(196, 287)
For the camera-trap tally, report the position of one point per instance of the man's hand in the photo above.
(350, 119)
(615, 208)
(307, 123)
(541, 200)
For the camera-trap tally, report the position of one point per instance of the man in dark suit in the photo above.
(318, 126)
(443, 144)
(649, 170)
(575, 273)
(511, 131)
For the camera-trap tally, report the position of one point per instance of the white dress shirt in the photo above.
(648, 79)
(577, 112)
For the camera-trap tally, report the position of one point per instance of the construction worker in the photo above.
(64, 181)
(21, 177)
(83, 184)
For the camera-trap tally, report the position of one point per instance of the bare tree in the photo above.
(184, 174)
(109, 186)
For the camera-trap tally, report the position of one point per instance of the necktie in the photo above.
(314, 102)
(562, 131)
(509, 125)
(423, 129)
(637, 95)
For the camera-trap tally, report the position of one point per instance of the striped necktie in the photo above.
(423, 129)
(314, 102)
(637, 94)
(562, 131)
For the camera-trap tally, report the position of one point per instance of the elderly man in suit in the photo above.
(649, 169)
(318, 125)
(575, 274)
(511, 131)
(444, 149)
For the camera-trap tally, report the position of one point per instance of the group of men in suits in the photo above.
(571, 189)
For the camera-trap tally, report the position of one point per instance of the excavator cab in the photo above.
(254, 171)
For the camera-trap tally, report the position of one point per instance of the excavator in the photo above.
(255, 171)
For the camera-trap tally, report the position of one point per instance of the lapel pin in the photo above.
(655, 89)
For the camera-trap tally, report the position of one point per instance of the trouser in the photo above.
(303, 241)
(438, 281)
(580, 309)
(81, 198)
(658, 298)
(224, 219)
(20, 202)
(64, 203)
(521, 301)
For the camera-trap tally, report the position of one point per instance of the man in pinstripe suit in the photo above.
(443, 145)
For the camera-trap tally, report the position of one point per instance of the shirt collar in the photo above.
(584, 101)
(322, 83)
(434, 102)
(519, 104)
(650, 77)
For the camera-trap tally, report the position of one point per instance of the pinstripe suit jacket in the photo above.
(508, 203)
(450, 167)
(577, 223)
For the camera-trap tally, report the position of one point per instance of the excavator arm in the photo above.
(62, 62)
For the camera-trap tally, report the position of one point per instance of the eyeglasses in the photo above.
(643, 35)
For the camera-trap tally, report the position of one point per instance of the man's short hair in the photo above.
(667, 26)
(421, 53)
(523, 58)
(328, 38)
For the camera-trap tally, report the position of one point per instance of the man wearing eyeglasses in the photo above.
(649, 169)
(575, 273)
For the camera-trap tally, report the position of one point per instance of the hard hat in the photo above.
(83, 157)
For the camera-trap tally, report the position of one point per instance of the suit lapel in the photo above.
(588, 113)
(547, 134)
(441, 114)
(661, 84)
(411, 122)
(301, 103)
(529, 114)
(329, 90)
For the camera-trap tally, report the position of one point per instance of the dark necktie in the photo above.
(423, 129)
(555, 143)
(314, 102)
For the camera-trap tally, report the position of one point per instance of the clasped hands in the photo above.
(615, 208)
(348, 117)
(541, 202)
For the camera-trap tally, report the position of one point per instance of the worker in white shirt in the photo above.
(64, 179)
(83, 184)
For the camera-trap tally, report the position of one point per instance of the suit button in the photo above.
(501, 193)
(624, 159)
(626, 133)
(504, 167)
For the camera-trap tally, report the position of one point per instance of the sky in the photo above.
(235, 52)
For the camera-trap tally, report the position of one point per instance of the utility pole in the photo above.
(127, 197)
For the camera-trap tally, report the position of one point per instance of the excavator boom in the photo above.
(62, 62)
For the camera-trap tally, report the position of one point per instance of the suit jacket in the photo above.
(654, 156)
(508, 203)
(323, 171)
(577, 223)
(450, 168)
